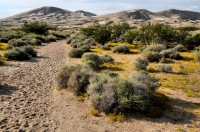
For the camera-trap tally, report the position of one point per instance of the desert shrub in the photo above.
(143, 78)
(190, 42)
(35, 41)
(50, 38)
(106, 47)
(69, 40)
(101, 93)
(85, 48)
(101, 35)
(164, 68)
(107, 58)
(59, 34)
(16, 43)
(180, 48)
(197, 55)
(16, 54)
(111, 74)
(171, 53)
(76, 53)
(152, 56)
(73, 77)
(140, 64)
(36, 27)
(95, 58)
(29, 50)
(79, 80)
(121, 49)
(155, 48)
(4, 40)
(90, 64)
(131, 35)
(132, 95)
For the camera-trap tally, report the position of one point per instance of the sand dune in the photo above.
(70, 19)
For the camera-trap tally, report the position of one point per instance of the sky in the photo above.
(12, 7)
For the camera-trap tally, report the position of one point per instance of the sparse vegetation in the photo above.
(140, 64)
(92, 57)
(76, 53)
(20, 53)
(121, 49)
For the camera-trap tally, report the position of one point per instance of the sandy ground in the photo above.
(29, 101)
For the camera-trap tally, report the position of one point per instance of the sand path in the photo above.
(25, 97)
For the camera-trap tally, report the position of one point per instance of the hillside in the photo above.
(70, 19)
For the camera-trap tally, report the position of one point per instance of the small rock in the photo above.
(26, 124)
(45, 125)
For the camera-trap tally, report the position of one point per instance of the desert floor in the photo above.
(29, 101)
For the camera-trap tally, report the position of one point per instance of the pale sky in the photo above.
(12, 7)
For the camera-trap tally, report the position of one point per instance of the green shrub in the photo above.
(95, 58)
(16, 54)
(90, 64)
(76, 53)
(29, 50)
(36, 27)
(121, 49)
(132, 35)
(74, 78)
(180, 48)
(155, 48)
(165, 68)
(132, 95)
(50, 38)
(140, 64)
(79, 81)
(152, 56)
(143, 78)
(35, 41)
(107, 58)
(106, 47)
(197, 55)
(16, 43)
(102, 94)
(171, 53)
(85, 48)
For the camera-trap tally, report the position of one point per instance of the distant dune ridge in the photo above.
(58, 16)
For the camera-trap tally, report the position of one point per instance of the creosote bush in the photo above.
(140, 64)
(35, 41)
(106, 58)
(92, 57)
(165, 68)
(171, 53)
(20, 53)
(16, 43)
(121, 49)
(155, 48)
(76, 53)
(74, 78)
(111, 94)
(101, 93)
(152, 56)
